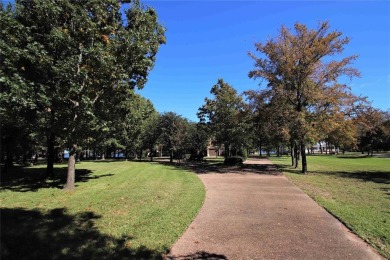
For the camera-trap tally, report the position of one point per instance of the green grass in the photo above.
(354, 189)
(118, 210)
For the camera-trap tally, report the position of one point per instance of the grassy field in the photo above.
(354, 189)
(118, 210)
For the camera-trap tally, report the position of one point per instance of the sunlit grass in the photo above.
(355, 189)
(144, 207)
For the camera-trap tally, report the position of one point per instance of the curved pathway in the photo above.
(264, 216)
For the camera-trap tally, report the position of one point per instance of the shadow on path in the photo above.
(206, 167)
(199, 255)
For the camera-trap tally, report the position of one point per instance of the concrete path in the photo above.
(264, 216)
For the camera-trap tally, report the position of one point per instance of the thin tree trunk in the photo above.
(261, 155)
(71, 169)
(50, 156)
(171, 156)
(226, 151)
(292, 154)
(296, 155)
(10, 156)
(303, 154)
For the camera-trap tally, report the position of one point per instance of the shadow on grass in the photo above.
(206, 167)
(373, 176)
(110, 160)
(25, 179)
(34, 234)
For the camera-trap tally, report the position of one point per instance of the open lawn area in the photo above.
(118, 210)
(354, 189)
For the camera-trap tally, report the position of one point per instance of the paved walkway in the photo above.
(264, 216)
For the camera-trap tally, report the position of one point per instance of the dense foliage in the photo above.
(304, 82)
(66, 63)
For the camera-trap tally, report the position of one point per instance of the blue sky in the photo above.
(207, 40)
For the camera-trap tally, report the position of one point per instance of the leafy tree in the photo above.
(301, 76)
(223, 115)
(270, 122)
(64, 56)
(197, 139)
(173, 129)
(373, 129)
(150, 134)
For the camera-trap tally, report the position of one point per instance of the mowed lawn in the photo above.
(119, 210)
(354, 189)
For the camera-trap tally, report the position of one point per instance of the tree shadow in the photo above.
(109, 160)
(55, 234)
(206, 167)
(372, 176)
(26, 179)
(199, 255)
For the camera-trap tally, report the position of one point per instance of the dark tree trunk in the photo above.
(292, 154)
(71, 169)
(260, 151)
(296, 155)
(226, 151)
(151, 154)
(10, 156)
(50, 155)
(303, 154)
(171, 156)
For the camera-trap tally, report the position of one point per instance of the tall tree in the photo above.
(222, 115)
(173, 129)
(373, 129)
(78, 52)
(150, 133)
(197, 140)
(299, 72)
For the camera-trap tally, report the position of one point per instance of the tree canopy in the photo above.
(62, 59)
(224, 116)
(304, 80)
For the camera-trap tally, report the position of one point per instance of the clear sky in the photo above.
(207, 40)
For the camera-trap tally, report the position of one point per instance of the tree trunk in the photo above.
(171, 156)
(296, 155)
(303, 154)
(50, 156)
(292, 154)
(226, 150)
(261, 155)
(71, 169)
(10, 156)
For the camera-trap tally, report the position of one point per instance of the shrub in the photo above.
(234, 160)
(196, 157)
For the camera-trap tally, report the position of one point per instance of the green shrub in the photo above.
(233, 160)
